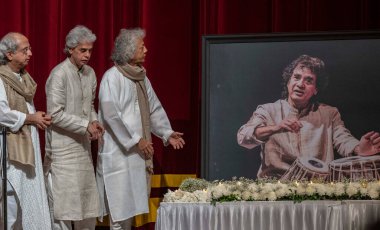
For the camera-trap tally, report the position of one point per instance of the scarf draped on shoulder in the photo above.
(19, 144)
(137, 74)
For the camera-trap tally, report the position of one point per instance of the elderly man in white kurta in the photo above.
(299, 126)
(70, 91)
(27, 203)
(130, 111)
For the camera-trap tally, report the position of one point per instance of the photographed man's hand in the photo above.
(290, 125)
(369, 144)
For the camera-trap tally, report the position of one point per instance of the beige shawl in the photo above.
(19, 144)
(137, 74)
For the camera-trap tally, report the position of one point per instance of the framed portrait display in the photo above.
(241, 72)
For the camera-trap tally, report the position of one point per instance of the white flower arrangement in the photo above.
(242, 189)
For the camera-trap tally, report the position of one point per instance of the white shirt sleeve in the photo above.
(125, 135)
(159, 120)
(12, 119)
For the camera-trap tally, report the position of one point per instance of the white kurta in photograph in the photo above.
(322, 132)
(121, 171)
(28, 182)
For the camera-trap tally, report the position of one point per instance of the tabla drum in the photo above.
(307, 168)
(355, 168)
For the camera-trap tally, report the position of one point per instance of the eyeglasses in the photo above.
(25, 50)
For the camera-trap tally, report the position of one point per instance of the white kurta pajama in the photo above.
(70, 94)
(121, 171)
(28, 182)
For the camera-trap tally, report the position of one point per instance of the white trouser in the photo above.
(118, 225)
(86, 224)
(121, 225)
(14, 220)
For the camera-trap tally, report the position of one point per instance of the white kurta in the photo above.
(28, 182)
(121, 170)
(70, 95)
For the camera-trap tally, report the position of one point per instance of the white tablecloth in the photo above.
(270, 215)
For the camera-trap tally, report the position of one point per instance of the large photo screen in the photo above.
(255, 81)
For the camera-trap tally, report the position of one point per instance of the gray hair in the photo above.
(7, 44)
(78, 34)
(125, 45)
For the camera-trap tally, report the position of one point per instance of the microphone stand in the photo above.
(4, 174)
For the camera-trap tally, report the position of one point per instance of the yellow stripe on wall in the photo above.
(169, 180)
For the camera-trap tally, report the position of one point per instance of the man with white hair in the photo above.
(27, 203)
(130, 111)
(70, 92)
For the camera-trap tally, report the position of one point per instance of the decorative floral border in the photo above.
(242, 189)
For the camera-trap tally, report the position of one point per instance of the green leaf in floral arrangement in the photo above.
(194, 184)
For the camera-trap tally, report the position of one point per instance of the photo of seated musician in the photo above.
(299, 125)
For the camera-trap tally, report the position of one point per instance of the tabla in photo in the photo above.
(307, 168)
(355, 168)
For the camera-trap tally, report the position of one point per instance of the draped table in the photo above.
(270, 215)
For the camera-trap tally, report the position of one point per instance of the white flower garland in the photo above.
(261, 190)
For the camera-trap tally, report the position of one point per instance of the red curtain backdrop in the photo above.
(174, 29)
